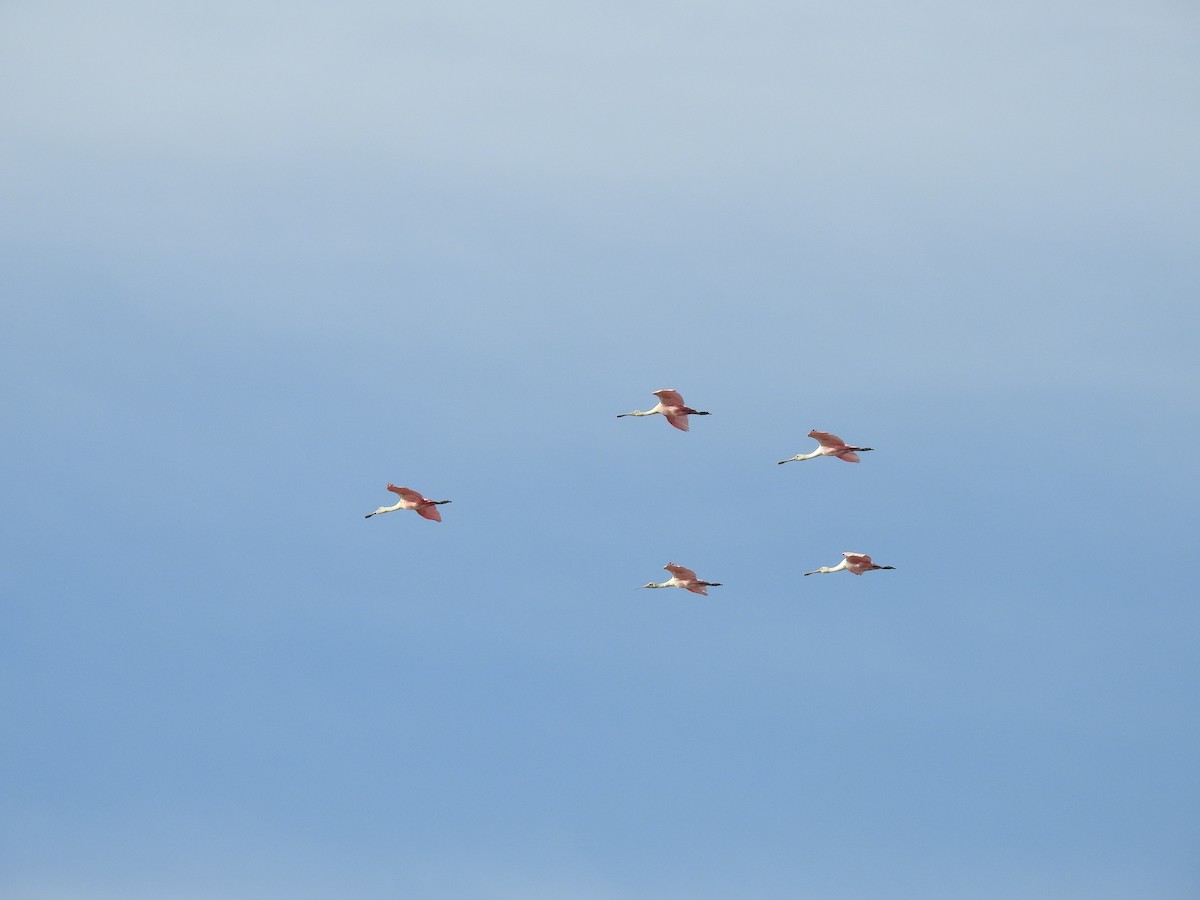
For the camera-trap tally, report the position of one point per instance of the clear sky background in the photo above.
(260, 259)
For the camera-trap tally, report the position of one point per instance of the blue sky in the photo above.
(261, 259)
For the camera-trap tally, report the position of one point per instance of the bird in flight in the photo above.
(671, 405)
(410, 499)
(855, 563)
(683, 577)
(831, 445)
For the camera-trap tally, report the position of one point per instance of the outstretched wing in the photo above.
(669, 397)
(429, 511)
(858, 560)
(848, 456)
(683, 573)
(680, 422)
(698, 589)
(825, 439)
(406, 493)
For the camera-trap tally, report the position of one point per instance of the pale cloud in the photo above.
(621, 94)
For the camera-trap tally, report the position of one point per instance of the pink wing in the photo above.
(858, 560)
(669, 397)
(680, 422)
(825, 439)
(429, 512)
(406, 493)
(848, 456)
(683, 573)
(698, 589)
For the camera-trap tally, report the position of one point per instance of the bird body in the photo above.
(671, 406)
(830, 445)
(410, 499)
(854, 563)
(683, 577)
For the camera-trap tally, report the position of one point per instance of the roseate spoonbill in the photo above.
(683, 577)
(855, 563)
(831, 445)
(410, 499)
(670, 404)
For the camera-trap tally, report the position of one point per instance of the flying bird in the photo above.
(671, 405)
(831, 445)
(410, 499)
(855, 563)
(683, 577)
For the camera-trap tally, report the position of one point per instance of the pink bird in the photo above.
(683, 577)
(410, 499)
(671, 405)
(831, 445)
(855, 563)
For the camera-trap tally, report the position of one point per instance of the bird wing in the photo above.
(698, 589)
(683, 573)
(848, 456)
(857, 559)
(406, 493)
(825, 439)
(680, 422)
(669, 397)
(429, 512)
